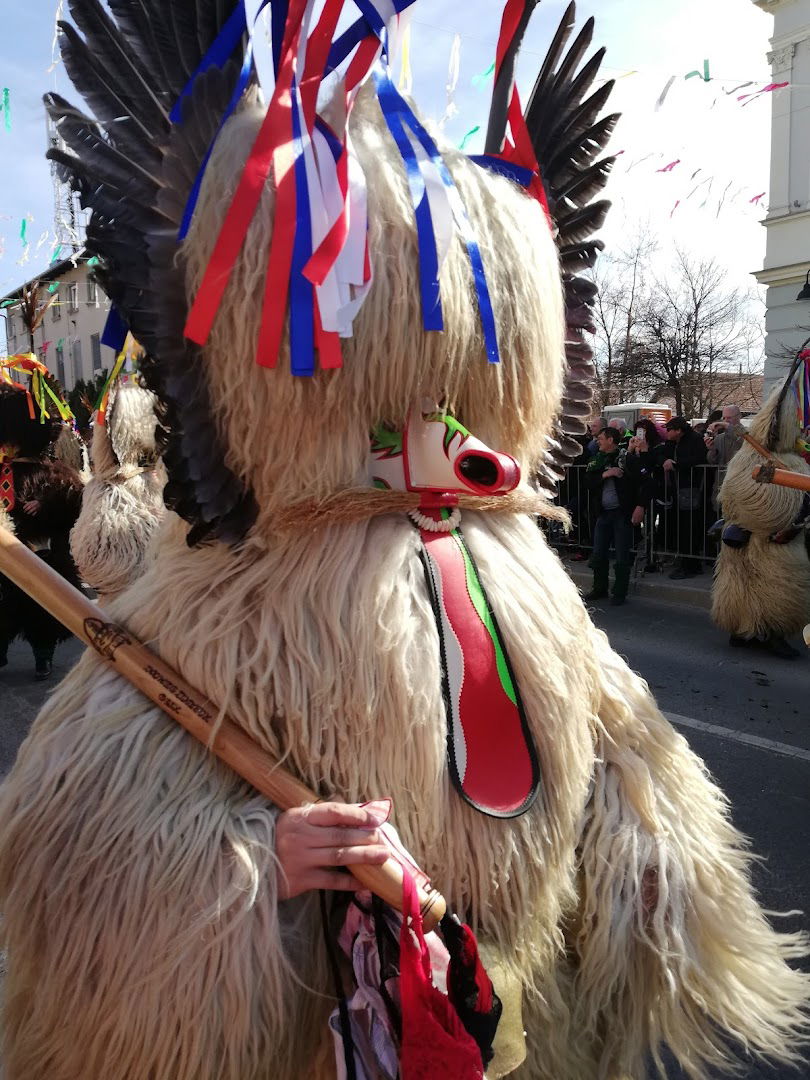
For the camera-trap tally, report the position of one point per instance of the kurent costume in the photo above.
(122, 504)
(761, 586)
(578, 834)
(41, 498)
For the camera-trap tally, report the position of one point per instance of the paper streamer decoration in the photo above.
(705, 76)
(663, 95)
(24, 231)
(453, 68)
(746, 99)
(53, 287)
(56, 57)
(756, 198)
(670, 167)
(463, 144)
(479, 81)
(7, 108)
(405, 84)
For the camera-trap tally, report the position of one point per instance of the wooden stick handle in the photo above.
(170, 692)
(783, 477)
(760, 449)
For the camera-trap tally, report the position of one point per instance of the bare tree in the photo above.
(620, 280)
(680, 334)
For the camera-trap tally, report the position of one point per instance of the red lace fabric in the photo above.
(434, 1041)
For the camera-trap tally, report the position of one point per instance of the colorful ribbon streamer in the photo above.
(7, 108)
(705, 76)
(473, 131)
(480, 80)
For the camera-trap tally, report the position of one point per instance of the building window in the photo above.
(56, 307)
(60, 364)
(95, 349)
(76, 358)
(92, 294)
(73, 296)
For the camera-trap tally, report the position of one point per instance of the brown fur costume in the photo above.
(763, 588)
(137, 875)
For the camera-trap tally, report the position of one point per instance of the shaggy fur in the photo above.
(122, 505)
(763, 588)
(137, 875)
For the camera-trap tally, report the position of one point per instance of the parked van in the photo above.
(631, 411)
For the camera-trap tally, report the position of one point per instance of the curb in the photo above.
(643, 587)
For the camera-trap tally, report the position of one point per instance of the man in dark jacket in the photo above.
(687, 480)
(620, 505)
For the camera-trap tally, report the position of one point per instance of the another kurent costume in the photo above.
(137, 874)
(762, 578)
(41, 497)
(122, 504)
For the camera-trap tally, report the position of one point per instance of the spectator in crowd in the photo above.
(619, 423)
(723, 445)
(594, 427)
(645, 457)
(619, 503)
(686, 451)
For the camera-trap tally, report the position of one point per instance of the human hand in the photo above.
(33, 506)
(612, 472)
(669, 465)
(312, 841)
(638, 515)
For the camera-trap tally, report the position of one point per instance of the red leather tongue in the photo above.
(493, 761)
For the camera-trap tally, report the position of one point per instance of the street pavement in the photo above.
(702, 683)
(745, 712)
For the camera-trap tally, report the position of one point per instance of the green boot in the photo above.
(621, 583)
(601, 572)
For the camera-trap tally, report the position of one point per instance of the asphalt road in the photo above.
(699, 679)
(717, 696)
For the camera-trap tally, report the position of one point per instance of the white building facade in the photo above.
(69, 339)
(787, 258)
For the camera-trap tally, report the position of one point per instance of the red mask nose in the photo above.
(488, 473)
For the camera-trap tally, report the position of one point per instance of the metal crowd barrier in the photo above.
(673, 528)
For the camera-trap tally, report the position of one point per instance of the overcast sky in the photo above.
(701, 124)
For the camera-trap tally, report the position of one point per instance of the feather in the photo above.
(110, 50)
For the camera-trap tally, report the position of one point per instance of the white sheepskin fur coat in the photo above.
(122, 504)
(137, 875)
(763, 588)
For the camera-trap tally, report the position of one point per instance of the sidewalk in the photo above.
(694, 592)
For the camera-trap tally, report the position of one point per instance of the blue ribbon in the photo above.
(302, 292)
(115, 330)
(218, 55)
(519, 174)
(371, 23)
(390, 103)
(394, 104)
